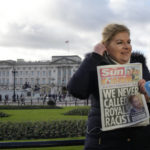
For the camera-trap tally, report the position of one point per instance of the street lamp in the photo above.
(14, 88)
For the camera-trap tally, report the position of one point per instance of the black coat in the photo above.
(84, 84)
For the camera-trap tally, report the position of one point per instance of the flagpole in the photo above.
(68, 46)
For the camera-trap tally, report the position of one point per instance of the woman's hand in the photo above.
(142, 90)
(141, 84)
(99, 48)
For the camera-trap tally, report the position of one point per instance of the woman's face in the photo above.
(119, 48)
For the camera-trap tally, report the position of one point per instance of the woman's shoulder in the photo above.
(138, 57)
(96, 58)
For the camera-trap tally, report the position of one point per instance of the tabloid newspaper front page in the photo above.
(120, 101)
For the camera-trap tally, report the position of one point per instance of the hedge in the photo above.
(79, 111)
(44, 130)
(2, 114)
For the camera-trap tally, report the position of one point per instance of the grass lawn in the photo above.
(53, 139)
(24, 115)
(33, 115)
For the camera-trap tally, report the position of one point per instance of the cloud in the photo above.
(78, 21)
(40, 36)
(84, 15)
(131, 10)
(45, 25)
(117, 5)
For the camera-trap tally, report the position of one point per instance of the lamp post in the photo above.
(14, 86)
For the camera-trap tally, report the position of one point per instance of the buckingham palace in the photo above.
(50, 76)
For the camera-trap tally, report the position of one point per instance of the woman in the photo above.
(115, 49)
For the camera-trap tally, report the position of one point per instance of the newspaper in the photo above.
(120, 101)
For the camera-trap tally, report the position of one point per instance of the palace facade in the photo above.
(51, 76)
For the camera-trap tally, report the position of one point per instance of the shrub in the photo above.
(78, 111)
(2, 114)
(51, 102)
(38, 130)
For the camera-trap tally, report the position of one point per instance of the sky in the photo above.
(37, 29)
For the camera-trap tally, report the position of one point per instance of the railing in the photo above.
(4, 145)
(62, 103)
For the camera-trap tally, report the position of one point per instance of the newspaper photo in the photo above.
(121, 103)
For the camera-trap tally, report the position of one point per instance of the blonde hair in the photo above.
(111, 30)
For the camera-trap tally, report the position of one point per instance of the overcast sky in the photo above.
(37, 29)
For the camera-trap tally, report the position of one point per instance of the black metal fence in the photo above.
(63, 103)
(4, 145)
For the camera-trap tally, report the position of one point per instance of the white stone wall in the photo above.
(53, 74)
